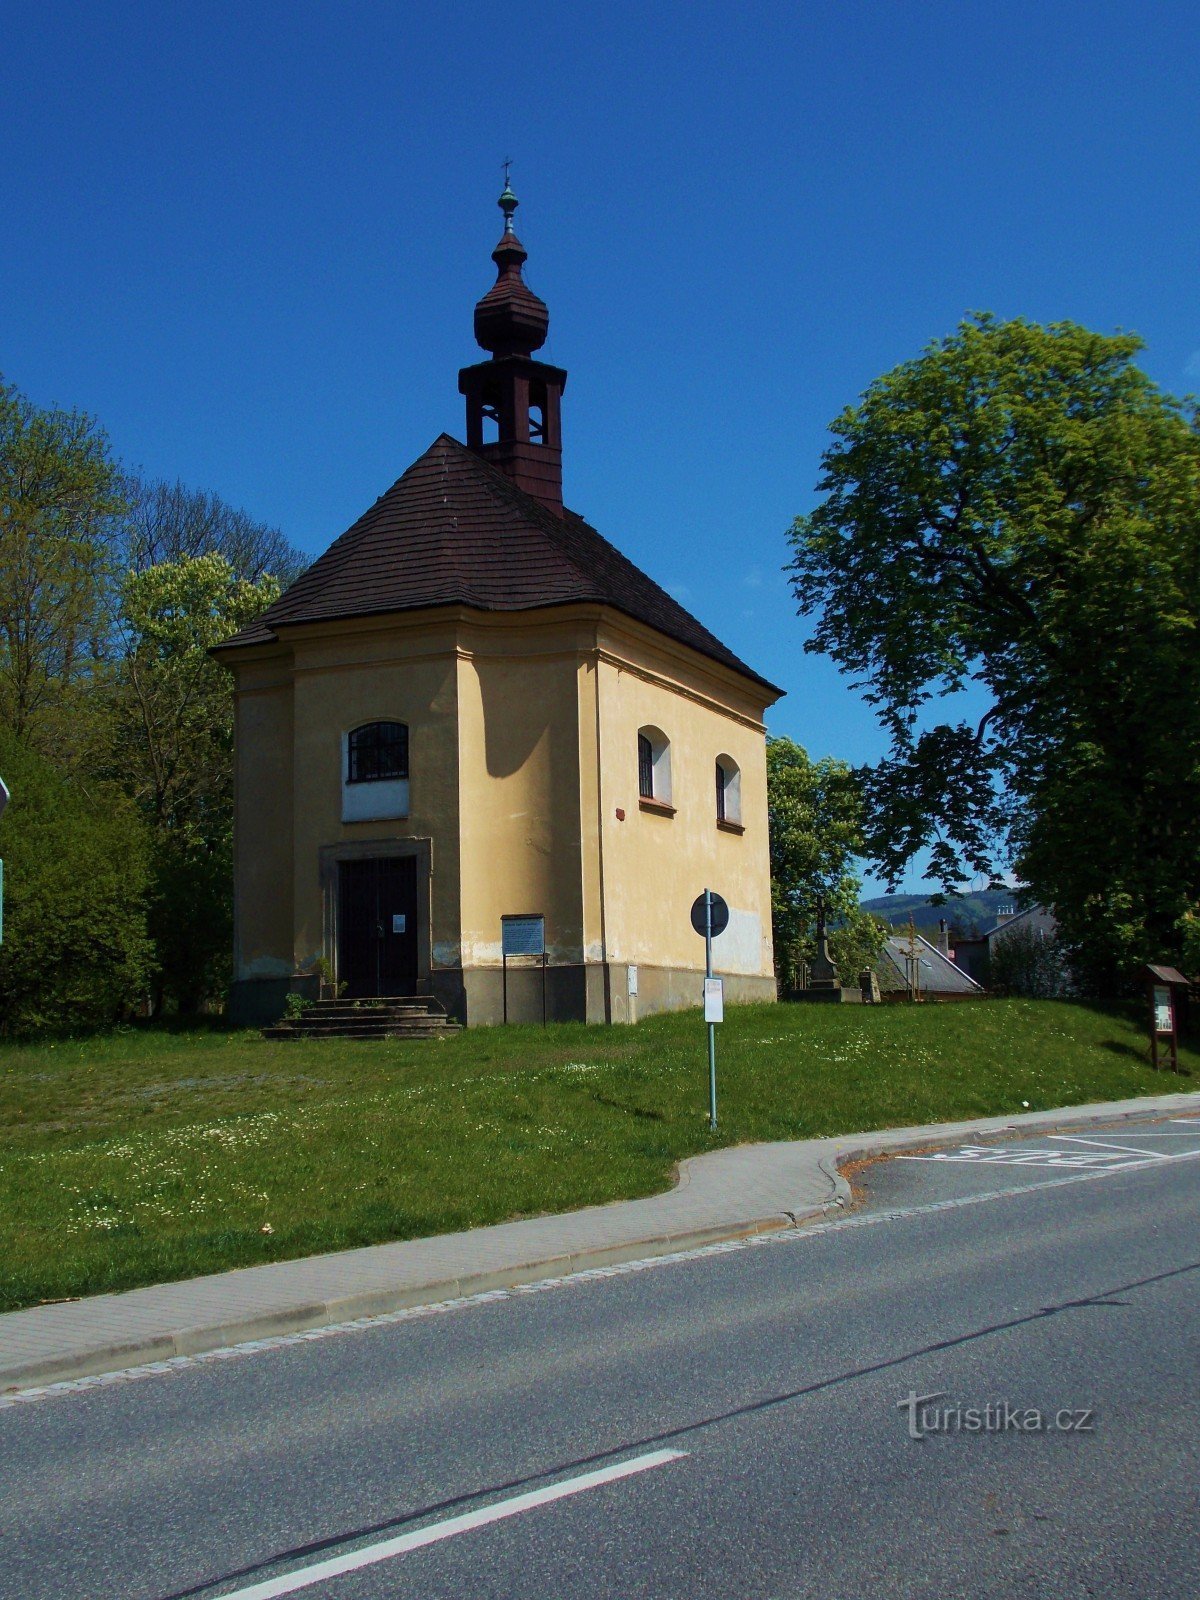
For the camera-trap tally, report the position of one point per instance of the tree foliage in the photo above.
(174, 747)
(111, 592)
(75, 951)
(168, 522)
(1018, 511)
(1029, 963)
(58, 496)
(815, 822)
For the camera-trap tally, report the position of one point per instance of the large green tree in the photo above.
(75, 951)
(174, 752)
(164, 522)
(1017, 511)
(815, 824)
(59, 494)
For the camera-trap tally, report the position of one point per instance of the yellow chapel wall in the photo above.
(262, 834)
(654, 865)
(365, 673)
(518, 759)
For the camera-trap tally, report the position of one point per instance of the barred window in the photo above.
(378, 751)
(645, 767)
(729, 792)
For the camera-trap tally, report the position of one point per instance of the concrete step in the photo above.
(375, 1025)
(374, 1011)
(351, 1030)
(419, 1004)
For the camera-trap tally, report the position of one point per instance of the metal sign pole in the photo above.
(712, 1027)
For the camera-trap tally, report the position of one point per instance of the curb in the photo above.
(373, 1303)
(302, 1317)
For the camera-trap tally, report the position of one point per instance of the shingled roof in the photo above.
(456, 531)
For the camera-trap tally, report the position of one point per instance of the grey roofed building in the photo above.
(1036, 919)
(939, 979)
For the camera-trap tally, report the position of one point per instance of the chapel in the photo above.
(480, 756)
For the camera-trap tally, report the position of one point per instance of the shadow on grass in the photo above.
(628, 1111)
(1118, 1047)
(193, 1024)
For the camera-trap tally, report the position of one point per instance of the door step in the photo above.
(389, 1017)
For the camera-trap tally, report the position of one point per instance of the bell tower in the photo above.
(513, 401)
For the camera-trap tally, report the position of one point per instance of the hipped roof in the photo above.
(454, 530)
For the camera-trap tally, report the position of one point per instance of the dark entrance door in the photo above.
(377, 926)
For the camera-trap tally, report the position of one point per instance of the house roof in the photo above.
(1018, 917)
(454, 530)
(939, 975)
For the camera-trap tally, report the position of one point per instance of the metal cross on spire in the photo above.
(508, 200)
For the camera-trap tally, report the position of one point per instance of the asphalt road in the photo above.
(735, 1424)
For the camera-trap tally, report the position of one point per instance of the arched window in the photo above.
(377, 753)
(729, 791)
(537, 413)
(654, 766)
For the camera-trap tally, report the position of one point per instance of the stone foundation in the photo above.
(596, 992)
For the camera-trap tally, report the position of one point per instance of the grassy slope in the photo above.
(144, 1156)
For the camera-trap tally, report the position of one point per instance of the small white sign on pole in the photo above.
(714, 1000)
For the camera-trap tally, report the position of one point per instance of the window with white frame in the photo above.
(375, 772)
(654, 766)
(729, 790)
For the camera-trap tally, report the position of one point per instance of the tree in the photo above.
(1018, 510)
(815, 819)
(75, 952)
(58, 496)
(166, 522)
(1028, 963)
(174, 748)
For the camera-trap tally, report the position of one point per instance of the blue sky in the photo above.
(249, 237)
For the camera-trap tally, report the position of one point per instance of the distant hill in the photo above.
(964, 911)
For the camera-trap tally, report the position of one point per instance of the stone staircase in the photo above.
(389, 1017)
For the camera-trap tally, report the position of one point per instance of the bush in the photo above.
(1029, 965)
(75, 952)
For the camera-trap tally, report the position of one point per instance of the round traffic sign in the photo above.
(720, 913)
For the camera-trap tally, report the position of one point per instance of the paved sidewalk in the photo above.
(730, 1193)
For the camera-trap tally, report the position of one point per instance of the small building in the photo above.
(906, 961)
(1034, 922)
(474, 707)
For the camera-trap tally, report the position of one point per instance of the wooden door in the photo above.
(377, 926)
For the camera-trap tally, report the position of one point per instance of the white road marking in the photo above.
(1021, 1156)
(1109, 1160)
(1107, 1144)
(370, 1554)
(1101, 1154)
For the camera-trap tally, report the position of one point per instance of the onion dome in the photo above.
(510, 320)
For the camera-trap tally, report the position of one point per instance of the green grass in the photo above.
(143, 1156)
